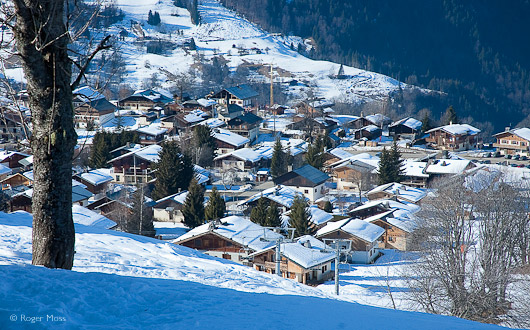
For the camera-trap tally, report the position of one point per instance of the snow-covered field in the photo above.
(123, 281)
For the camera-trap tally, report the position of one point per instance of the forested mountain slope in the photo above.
(475, 51)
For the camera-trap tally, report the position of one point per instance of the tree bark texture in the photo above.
(42, 42)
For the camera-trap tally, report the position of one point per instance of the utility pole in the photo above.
(338, 246)
(279, 239)
(272, 103)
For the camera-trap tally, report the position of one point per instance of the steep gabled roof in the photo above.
(364, 230)
(308, 172)
(247, 117)
(457, 129)
(242, 92)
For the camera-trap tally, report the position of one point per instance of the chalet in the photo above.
(4, 172)
(334, 155)
(242, 95)
(145, 100)
(314, 107)
(364, 238)
(406, 127)
(370, 132)
(398, 191)
(12, 126)
(186, 120)
(15, 180)
(229, 112)
(170, 208)
(512, 142)
(112, 209)
(307, 180)
(453, 137)
(12, 159)
(414, 173)
(135, 166)
(244, 159)
(281, 195)
(303, 260)
(354, 175)
(227, 141)
(375, 207)
(246, 125)
(442, 167)
(23, 200)
(377, 120)
(397, 229)
(96, 181)
(152, 134)
(233, 238)
(317, 126)
(91, 107)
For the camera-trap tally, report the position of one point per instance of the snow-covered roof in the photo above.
(408, 122)
(230, 137)
(206, 102)
(523, 133)
(447, 166)
(307, 255)
(340, 153)
(457, 129)
(149, 153)
(414, 168)
(26, 161)
(280, 194)
(153, 129)
(179, 198)
(195, 116)
(366, 231)
(213, 122)
(390, 204)
(87, 94)
(378, 119)
(4, 170)
(4, 154)
(245, 154)
(402, 191)
(95, 177)
(84, 216)
(318, 216)
(404, 223)
(238, 229)
(344, 119)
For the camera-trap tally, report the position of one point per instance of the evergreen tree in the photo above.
(4, 202)
(192, 46)
(328, 207)
(390, 165)
(194, 12)
(141, 220)
(216, 208)
(99, 154)
(426, 123)
(204, 145)
(174, 170)
(300, 217)
(450, 116)
(274, 218)
(314, 157)
(193, 209)
(279, 160)
(258, 214)
(341, 71)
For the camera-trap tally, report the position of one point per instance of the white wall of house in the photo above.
(168, 216)
(312, 193)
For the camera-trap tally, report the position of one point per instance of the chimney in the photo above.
(507, 129)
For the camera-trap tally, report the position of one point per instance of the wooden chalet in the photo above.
(364, 238)
(242, 95)
(244, 159)
(12, 126)
(96, 181)
(152, 134)
(377, 119)
(15, 180)
(307, 180)
(406, 127)
(246, 125)
(227, 141)
(354, 174)
(513, 142)
(135, 166)
(454, 137)
(144, 101)
(170, 208)
(397, 231)
(302, 261)
(12, 159)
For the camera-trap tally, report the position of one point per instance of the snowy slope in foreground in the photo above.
(125, 281)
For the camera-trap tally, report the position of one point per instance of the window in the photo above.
(117, 178)
(514, 142)
(324, 269)
(504, 141)
(315, 189)
(306, 191)
(390, 239)
(523, 144)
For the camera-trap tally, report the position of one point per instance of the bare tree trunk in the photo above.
(42, 41)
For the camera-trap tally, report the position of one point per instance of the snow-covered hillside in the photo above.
(224, 33)
(123, 281)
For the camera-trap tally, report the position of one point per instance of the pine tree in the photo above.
(258, 214)
(4, 202)
(300, 217)
(279, 160)
(450, 116)
(390, 165)
(274, 218)
(314, 157)
(426, 123)
(216, 207)
(193, 209)
(174, 171)
(99, 154)
(204, 145)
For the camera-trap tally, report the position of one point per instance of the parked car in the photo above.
(516, 157)
(508, 156)
(497, 154)
(523, 158)
(520, 165)
(513, 165)
(487, 161)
